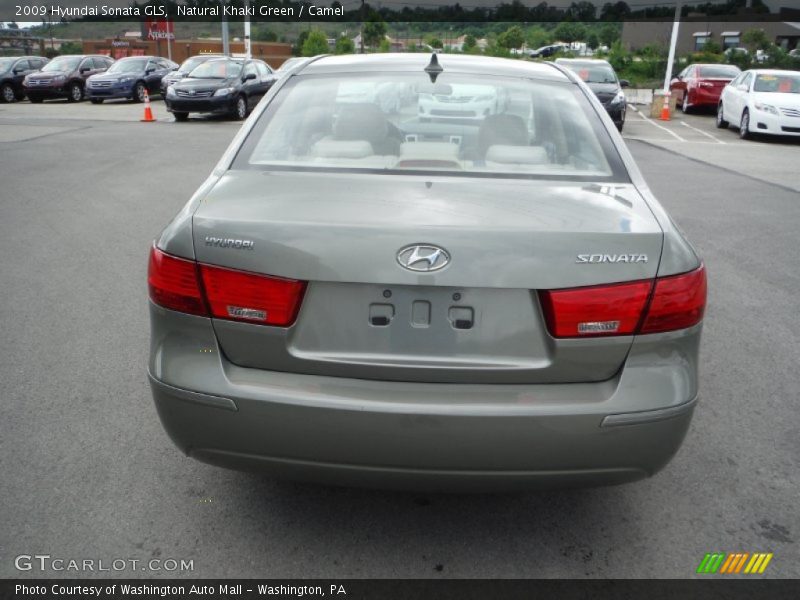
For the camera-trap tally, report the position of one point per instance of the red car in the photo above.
(701, 85)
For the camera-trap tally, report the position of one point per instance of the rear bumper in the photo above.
(705, 96)
(421, 436)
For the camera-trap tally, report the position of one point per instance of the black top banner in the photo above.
(529, 11)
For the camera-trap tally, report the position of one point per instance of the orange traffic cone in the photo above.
(665, 109)
(148, 112)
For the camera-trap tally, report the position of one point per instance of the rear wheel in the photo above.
(7, 93)
(685, 104)
(721, 122)
(139, 91)
(180, 116)
(240, 110)
(744, 127)
(74, 92)
(96, 100)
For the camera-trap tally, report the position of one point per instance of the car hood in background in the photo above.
(189, 83)
(778, 100)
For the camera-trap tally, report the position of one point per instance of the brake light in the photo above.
(173, 283)
(251, 297)
(676, 302)
(199, 289)
(596, 310)
(679, 301)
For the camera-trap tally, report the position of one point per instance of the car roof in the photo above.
(582, 61)
(774, 72)
(416, 62)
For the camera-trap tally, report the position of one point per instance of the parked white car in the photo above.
(762, 101)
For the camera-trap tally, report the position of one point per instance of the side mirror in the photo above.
(85, 69)
(17, 71)
(150, 70)
(624, 83)
(249, 76)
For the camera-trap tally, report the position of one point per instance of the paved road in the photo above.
(88, 472)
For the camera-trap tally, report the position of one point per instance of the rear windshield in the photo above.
(462, 124)
(62, 63)
(593, 73)
(217, 69)
(128, 66)
(782, 84)
(721, 71)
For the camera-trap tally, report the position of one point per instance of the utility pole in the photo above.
(361, 34)
(247, 52)
(672, 44)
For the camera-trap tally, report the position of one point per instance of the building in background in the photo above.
(693, 35)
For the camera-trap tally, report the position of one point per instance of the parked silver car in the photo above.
(362, 298)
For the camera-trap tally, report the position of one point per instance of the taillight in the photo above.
(186, 286)
(676, 302)
(173, 283)
(251, 297)
(596, 310)
(679, 301)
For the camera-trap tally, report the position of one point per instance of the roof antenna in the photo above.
(434, 68)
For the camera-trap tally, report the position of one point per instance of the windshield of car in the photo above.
(217, 69)
(128, 66)
(593, 73)
(190, 64)
(721, 71)
(5, 63)
(462, 124)
(781, 84)
(63, 63)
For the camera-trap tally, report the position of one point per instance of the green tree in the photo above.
(344, 45)
(434, 42)
(470, 43)
(513, 37)
(263, 34)
(536, 37)
(608, 34)
(384, 46)
(712, 47)
(592, 40)
(373, 30)
(71, 48)
(569, 32)
(756, 39)
(297, 49)
(315, 43)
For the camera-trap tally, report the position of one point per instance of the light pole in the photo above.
(247, 52)
(673, 42)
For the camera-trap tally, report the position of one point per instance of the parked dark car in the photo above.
(546, 51)
(13, 70)
(64, 77)
(599, 75)
(184, 69)
(702, 85)
(129, 78)
(224, 85)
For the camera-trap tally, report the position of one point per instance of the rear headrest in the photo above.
(328, 148)
(516, 155)
(361, 122)
(507, 130)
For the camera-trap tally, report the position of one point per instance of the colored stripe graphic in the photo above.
(724, 563)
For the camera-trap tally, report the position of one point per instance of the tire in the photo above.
(36, 99)
(96, 100)
(138, 92)
(180, 116)
(721, 123)
(685, 108)
(240, 110)
(744, 126)
(7, 93)
(74, 92)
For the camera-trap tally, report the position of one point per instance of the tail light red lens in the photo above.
(243, 296)
(596, 310)
(173, 283)
(666, 304)
(199, 289)
(678, 302)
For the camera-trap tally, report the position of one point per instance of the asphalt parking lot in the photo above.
(89, 473)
